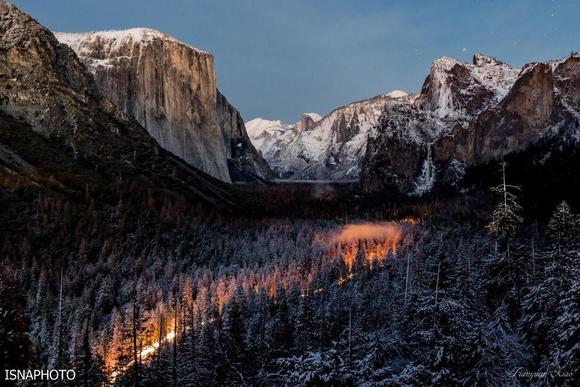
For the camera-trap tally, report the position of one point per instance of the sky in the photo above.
(279, 58)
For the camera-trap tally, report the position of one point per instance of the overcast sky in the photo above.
(277, 59)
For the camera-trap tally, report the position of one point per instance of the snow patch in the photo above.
(396, 94)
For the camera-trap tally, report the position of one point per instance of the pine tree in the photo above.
(506, 268)
(565, 355)
(305, 324)
(498, 351)
(506, 216)
(563, 228)
(58, 352)
(232, 337)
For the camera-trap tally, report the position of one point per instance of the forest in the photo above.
(317, 287)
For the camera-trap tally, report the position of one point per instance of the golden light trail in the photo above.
(145, 354)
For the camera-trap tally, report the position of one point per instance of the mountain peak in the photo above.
(444, 90)
(481, 60)
(308, 121)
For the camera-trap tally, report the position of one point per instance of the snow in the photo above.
(486, 72)
(259, 125)
(320, 152)
(555, 63)
(396, 94)
(315, 117)
(115, 39)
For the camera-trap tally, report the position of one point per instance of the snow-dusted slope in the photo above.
(455, 88)
(453, 93)
(330, 148)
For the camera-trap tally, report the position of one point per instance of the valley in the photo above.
(149, 236)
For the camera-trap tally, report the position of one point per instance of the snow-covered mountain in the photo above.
(320, 148)
(459, 89)
(470, 114)
(466, 114)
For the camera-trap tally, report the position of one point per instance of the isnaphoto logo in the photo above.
(40, 375)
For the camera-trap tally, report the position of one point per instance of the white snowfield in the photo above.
(396, 94)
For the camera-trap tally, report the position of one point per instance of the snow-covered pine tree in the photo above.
(506, 267)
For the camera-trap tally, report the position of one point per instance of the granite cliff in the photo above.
(170, 89)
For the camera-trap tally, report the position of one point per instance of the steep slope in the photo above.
(244, 162)
(170, 89)
(328, 148)
(473, 114)
(50, 106)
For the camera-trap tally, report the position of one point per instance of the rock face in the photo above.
(32, 67)
(456, 88)
(398, 148)
(170, 89)
(59, 131)
(308, 121)
(244, 162)
(469, 114)
(320, 148)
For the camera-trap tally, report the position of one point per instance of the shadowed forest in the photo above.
(446, 289)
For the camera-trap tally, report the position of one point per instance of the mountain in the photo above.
(328, 148)
(170, 89)
(468, 115)
(57, 133)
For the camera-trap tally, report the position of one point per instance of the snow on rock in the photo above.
(265, 133)
(396, 94)
(332, 148)
(469, 114)
(456, 88)
(115, 39)
(335, 146)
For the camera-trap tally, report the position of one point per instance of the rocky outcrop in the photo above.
(518, 120)
(454, 88)
(399, 148)
(170, 89)
(308, 121)
(471, 114)
(89, 148)
(33, 66)
(566, 79)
